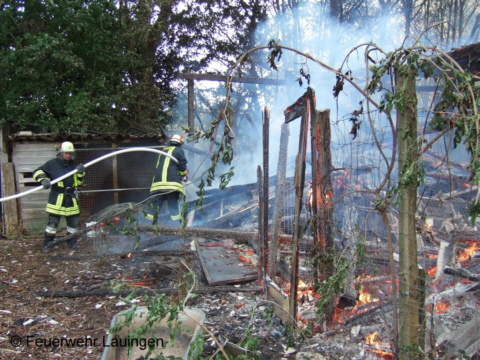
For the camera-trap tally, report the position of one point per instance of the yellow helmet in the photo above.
(66, 146)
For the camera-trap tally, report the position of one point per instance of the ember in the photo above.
(244, 259)
(142, 283)
(465, 254)
(432, 271)
(442, 307)
(377, 347)
(305, 289)
(364, 297)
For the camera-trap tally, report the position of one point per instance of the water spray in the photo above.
(40, 187)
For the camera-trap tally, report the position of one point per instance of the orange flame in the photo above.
(465, 254)
(442, 307)
(244, 259)
(432, 271)
(364, 297)
(372, 340)
(305, 289)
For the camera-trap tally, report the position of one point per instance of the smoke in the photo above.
(309, 29)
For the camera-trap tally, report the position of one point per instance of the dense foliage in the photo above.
(109, 66)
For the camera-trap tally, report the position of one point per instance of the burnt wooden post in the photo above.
(266, 126)
(261, 224)
(299, 183)
(10, 208)
(279, 201)
(191, 106)
(322, 199)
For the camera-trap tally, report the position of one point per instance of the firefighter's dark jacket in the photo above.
(168, 173)
(62, 199)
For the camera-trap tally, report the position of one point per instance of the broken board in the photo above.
(223, 265)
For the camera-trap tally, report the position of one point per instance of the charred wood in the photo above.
(240, 236)
(368, 314)
(143, 290)
(124, 255)
(463, 273)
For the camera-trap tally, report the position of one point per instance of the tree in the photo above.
(446, 23)
(109, 67)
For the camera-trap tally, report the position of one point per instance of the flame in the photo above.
(364, 297)
(244, 259)
(129, 255)
(432, 271)
(305, 289)
(442, 307)
(372, 340)
(302, 285)
(465, 254)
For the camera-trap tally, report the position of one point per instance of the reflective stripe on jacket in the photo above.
(62, 198)
(168, 173)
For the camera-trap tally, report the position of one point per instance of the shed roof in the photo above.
(80, 137)
(468, 57)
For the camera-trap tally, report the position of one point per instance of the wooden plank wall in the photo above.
(9, 207)
(27, 157)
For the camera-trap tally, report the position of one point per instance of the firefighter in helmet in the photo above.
(63, 200)
(167, 181)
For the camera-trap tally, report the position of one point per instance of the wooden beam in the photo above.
(223, 78)
(299, 186)
(191, 106)
(10, 208)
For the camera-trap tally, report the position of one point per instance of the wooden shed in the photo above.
(117, 179)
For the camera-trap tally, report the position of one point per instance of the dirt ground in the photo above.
(25, 270)
(30, 324)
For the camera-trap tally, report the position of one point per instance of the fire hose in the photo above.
(40, 187)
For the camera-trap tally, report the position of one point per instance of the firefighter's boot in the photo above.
(47, 241)
(72, 243)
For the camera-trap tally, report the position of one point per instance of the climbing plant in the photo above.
(455, 109)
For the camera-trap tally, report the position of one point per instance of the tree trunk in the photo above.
(410, 292)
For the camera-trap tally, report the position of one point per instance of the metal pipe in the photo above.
(11, 197)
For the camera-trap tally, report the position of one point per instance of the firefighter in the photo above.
(167, 181)
(62, 200)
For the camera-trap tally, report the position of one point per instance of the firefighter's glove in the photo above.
(81, 169)
(46, 184)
